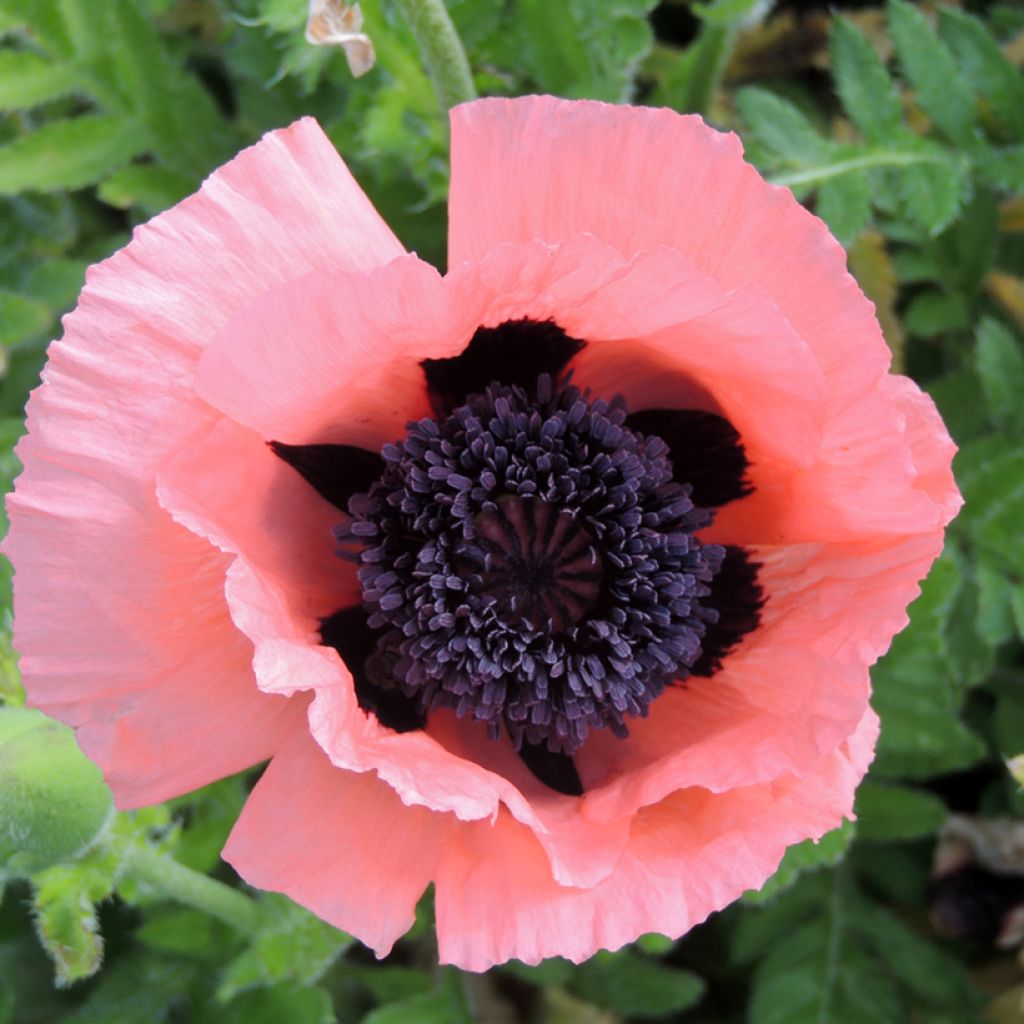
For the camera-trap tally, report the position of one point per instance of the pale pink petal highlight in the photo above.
(340, 843)
(145, 662)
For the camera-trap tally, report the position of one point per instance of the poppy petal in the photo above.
(691, 854)
(114, 406)
(340, 842)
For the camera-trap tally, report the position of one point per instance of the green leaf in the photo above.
(44, 20)
(185, 932)
(187, 132)
(916, 690)
(991, 476)
(1003, 168)
(933, 313)
(149, 186)
(585, 48)
(438, 1007)
(781, 128)
(27, 80)
(986, 67)
(815, 974)
(635, 986)
(294, 945)
(64, 904)
(1000, 365)
(68, 154)
(277, 1004)
(21, 317)
(844, 204)
(802, 857)
(888, 813)
(137, 988)
(863, 83)
(942, 90)
(933, 190)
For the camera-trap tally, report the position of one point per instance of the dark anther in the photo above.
(516, 353)
(335, 471)
(738, 598)
(705, 450)
(349, 634)
(555, 770)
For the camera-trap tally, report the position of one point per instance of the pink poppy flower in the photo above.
(553, 581)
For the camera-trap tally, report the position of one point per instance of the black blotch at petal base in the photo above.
(705, 450)
(738, 598)
(556, 771)
(348, 632)
(514, 353)
(334, 471)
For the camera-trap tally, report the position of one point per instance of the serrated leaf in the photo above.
(1000, 365)
(587, 49)
(781, 128)
(294, 945)
(149, 186)
(27, 80)
(941, 88)
(437, 1007)
(872, 266)
(1003, 168)
(813, 975)
(934, 190)
(136, 988)
(933, 312)
(996, 623)
(187, 132)
(803, 857)
(64, 900)
(986, 67)
(888, 813)
(44, 20)
(844, 204)
(21, 317)
(991, 476)
(863, 83)
(916, 692)
(635, 986)
(68, 154)
(931, 977)
(281, 1003)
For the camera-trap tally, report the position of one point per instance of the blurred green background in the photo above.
(902, 126)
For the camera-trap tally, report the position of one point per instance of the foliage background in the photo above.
(903, 127)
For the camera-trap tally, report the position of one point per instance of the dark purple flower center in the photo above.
(529, 560)
(528, 556)
(534, 563)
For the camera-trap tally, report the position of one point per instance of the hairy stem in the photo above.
(160, 872)
(443, 54)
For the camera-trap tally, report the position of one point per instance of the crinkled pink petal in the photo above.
(792, 690)
(652, 321)
(689, 855)
(338, 842)
(447, 769)
(641, 179)
(145, 662)
(334, 357)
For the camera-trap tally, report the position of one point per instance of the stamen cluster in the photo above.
(529, 560)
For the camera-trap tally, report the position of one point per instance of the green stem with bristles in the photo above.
(441, 48)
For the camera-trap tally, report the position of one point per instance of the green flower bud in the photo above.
(53, 800)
